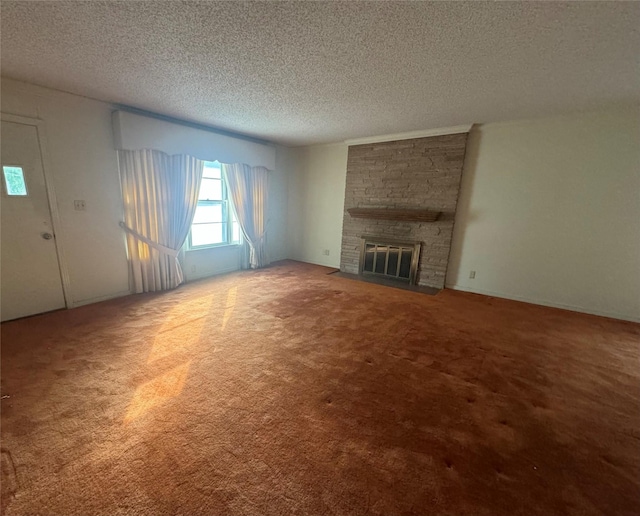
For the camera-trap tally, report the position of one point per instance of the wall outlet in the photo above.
(79, 205)
(472, 275)
(325, 252)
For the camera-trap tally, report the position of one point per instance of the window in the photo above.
(14, 181)
(214, 222)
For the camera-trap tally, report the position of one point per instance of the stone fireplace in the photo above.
(402, 195)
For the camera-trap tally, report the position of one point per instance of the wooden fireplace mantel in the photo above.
(406, 215)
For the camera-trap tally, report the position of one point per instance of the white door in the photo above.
(31, 281)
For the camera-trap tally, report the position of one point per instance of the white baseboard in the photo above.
(312, 261)
(573, 308)
(82, 302)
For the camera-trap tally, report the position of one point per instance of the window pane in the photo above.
(14, 181)
(212, 169)
(208, 213)
(210, 190)
(235, 229)
(208, 234)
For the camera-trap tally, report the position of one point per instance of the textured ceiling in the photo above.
(302, 72)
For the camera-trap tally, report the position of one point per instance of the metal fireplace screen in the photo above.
(390, 258)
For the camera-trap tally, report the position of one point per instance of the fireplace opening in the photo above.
(389, 258)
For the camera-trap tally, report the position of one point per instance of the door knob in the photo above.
(47, 236)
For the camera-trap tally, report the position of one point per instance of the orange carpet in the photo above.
(290, 391)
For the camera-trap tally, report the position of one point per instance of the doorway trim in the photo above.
(51, 198)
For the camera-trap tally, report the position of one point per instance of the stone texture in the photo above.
(418, 173)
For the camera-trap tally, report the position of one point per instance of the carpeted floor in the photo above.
(290, 391)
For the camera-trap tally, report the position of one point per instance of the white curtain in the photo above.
(248, 187)
(160, 197)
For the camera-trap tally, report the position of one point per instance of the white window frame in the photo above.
(228, 216)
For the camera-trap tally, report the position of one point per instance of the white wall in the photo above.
(202, 263)
(278, 209)
(549, 212)
(83, 165)
(316, 204)
(549, 209)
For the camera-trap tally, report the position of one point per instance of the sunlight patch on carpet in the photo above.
(231, 304)
(172, 337)
(177, 333)
(157, 391)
